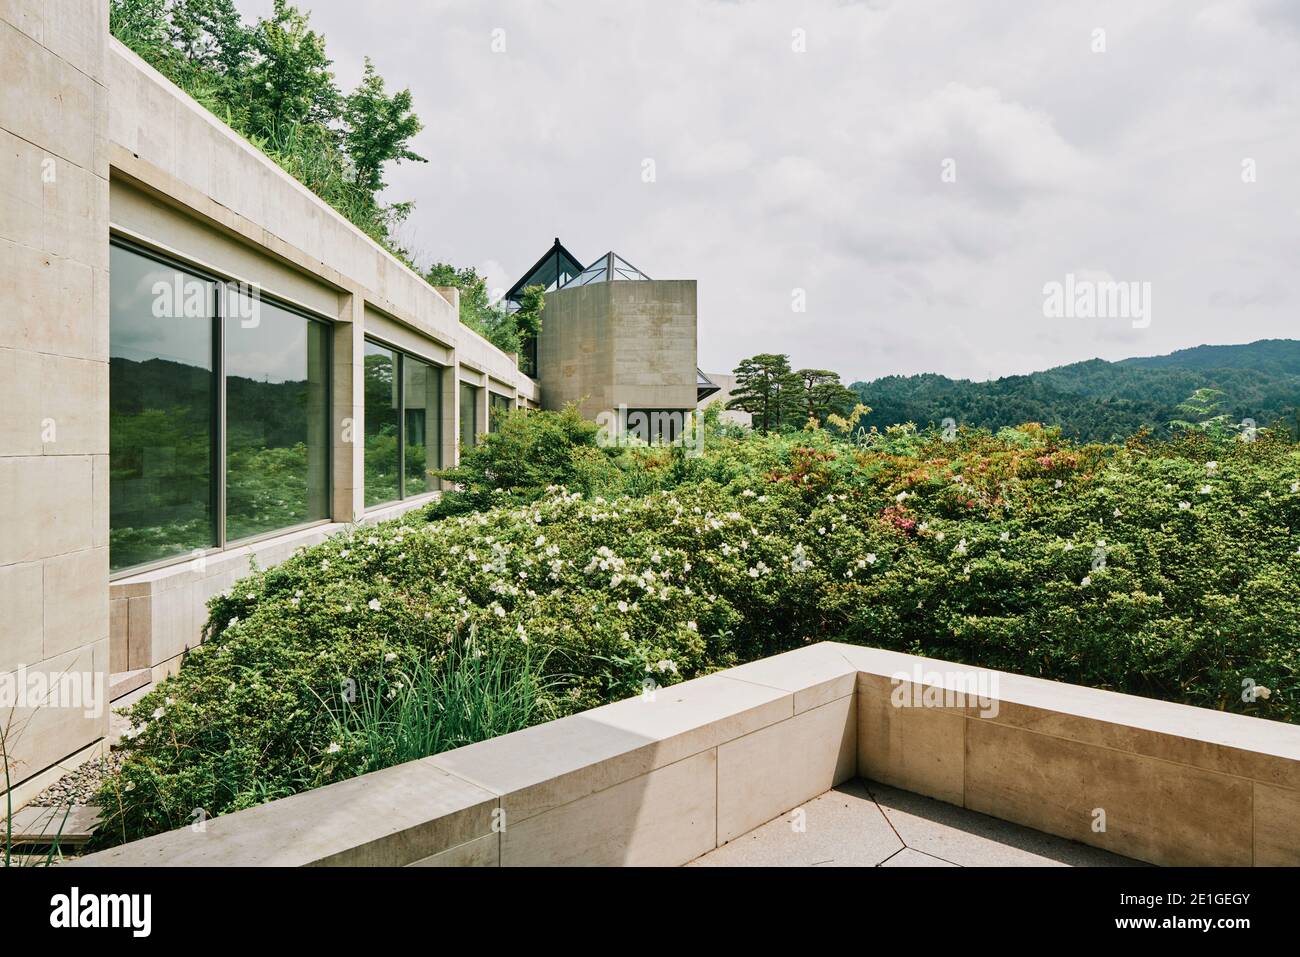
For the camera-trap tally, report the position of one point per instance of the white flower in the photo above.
(799, 559)
(1087, 580)
(334, 748)
(347, 608)
(1184, 505)
(1005, 536)
(666, 665)
(900, 496)
(961, 547)
(871, 558)
(622, 606)
(373, 604)
(1211, 466)
(1115, 513)
(250, 595)
(325, 563)
(541, 540)
(1205, 490)
(938, 536)
(391, 656)
(1295, 486)
(157, 713)
(692, 626)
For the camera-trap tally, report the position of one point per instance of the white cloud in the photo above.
(821, 170)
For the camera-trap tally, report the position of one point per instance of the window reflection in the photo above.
(468, 415)
(168, 352)
(161, 411)
(499, 406)
(382, 465)
(423, 449)
(277, 419)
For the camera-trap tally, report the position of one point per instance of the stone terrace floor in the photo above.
(865, 824)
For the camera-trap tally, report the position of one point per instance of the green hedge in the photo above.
(980, 551)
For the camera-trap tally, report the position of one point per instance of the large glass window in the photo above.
(277, 418)
(498, 407)
(422, 452)
(162, 407)
(181, 376)
(383, 462)
(468, 415)
(403, 424)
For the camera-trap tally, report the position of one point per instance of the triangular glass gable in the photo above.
(556, 267)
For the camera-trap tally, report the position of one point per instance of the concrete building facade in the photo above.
(119, 517)
(616, 343)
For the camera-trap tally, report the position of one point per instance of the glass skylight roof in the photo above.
(610, 267)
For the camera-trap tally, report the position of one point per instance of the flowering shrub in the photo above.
(1166, 570)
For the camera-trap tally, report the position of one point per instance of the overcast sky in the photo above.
(803, 146)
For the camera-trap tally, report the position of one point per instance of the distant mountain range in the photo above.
(1098, 400)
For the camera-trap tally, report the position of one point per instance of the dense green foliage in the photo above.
(1098, 401)
(271, 82)
(505, 329)
(1157, 568)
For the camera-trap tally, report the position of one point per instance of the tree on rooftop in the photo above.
(290, 81)
(766, 389)
(379, 129)
(209, 33)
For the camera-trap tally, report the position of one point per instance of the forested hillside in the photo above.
(1102, 401)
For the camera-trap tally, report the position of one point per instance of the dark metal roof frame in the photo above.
(565, 262)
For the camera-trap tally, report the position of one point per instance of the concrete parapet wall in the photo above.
(663, 778)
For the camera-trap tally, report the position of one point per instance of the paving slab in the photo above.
(867, 824)
(910, 858)
(841, 828)
(62, 825)
(970, 839)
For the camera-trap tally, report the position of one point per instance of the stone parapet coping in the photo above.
(664, 777)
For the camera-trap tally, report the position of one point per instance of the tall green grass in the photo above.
(476, 692)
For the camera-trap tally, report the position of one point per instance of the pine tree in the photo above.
(767, 390)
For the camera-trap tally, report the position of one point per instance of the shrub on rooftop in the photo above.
(1156, 568)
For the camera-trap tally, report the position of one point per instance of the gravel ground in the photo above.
(79, 786)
